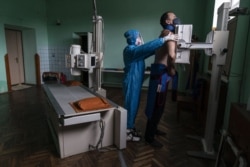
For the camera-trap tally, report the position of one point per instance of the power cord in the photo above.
(102, 127)
(97, 146)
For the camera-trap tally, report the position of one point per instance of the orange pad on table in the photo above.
(88, 104)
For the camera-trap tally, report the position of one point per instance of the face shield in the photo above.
(139, 40)
(133, 37)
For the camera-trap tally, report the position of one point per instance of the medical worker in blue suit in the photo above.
(134, 55)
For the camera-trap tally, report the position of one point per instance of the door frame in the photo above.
(29, 52)
(19, 56)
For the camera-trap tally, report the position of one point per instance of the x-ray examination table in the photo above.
(73, 132)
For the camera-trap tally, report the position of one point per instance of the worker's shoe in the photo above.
(133, 135)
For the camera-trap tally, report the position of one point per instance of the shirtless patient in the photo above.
(167, 54)
(162, 71)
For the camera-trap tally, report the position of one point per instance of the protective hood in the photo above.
(131, 36)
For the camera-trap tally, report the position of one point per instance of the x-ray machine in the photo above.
(216, 47)
(76, 132)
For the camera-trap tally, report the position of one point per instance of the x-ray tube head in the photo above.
(86, 61)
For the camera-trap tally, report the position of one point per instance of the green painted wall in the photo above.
(3, 82)
(76, 16)
(120, 16)
(23, 15)
(239, 78)
(39, 18)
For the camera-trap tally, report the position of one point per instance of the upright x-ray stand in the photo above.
(216, 46)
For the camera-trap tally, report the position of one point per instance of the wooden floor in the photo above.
(25, 139)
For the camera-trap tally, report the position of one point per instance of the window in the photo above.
(234, 4)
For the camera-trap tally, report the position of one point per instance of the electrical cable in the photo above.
(95, 9)
(98, 146)
(122, 160)
(102, 127)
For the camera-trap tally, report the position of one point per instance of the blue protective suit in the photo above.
(133, 57)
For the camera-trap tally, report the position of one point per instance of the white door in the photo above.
(15, 53)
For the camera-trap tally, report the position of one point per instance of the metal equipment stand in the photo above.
(219, 40)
